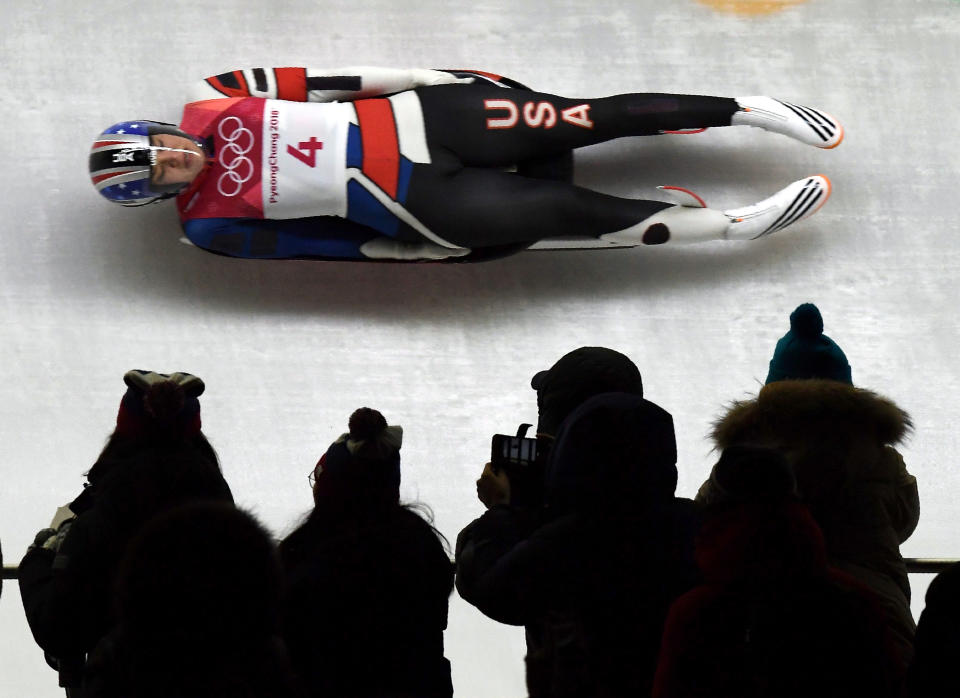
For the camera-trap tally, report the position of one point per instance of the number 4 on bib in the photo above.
(306, 151)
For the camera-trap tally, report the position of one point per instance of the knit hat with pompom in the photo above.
(362, 465)
(805, 352)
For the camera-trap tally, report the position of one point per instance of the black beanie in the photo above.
(576, 377)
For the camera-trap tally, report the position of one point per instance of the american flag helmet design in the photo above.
(120, 161)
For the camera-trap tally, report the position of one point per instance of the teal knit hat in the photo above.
(805, 352)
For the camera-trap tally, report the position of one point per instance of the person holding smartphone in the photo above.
(590, 566)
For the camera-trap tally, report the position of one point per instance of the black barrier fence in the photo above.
(915, 565)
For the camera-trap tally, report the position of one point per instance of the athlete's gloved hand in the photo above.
(423, 77)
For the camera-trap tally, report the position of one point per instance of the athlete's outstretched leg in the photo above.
(475, 208)
(489, 126)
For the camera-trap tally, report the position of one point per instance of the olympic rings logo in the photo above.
(235, 146)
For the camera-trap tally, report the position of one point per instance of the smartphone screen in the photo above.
(513, 450)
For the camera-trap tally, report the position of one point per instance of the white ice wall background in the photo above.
(288, 349)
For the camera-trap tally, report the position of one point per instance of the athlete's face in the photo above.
(179, 165)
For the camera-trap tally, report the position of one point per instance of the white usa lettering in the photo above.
(578, 116)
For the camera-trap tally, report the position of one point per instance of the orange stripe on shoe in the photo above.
(842, 134)
(291, 84)
(829, 192)
(381, 149)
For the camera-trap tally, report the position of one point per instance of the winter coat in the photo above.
(68, 594)
(839, 440)
(366, 605)
(772, 619)
(592, 575)
(592, 594)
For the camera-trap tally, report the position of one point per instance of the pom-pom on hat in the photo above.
(805, 352)
(158, 404)
(363, 465)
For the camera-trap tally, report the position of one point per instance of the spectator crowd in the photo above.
(783, 577)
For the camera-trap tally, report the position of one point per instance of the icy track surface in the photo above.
(288, 349)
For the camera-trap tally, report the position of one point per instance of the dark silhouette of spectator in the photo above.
(590, 571)
(156, 458)
(771, 617)
(198, 602)
(933, 673)
(368, 579)
(840, 440)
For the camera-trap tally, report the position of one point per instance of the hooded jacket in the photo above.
(839, 440)
(592, 574)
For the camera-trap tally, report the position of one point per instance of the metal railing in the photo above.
(915, 565)
(928, 565)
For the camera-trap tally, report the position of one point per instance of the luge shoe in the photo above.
(805, 124)
(791, 204)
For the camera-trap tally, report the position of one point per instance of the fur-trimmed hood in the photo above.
(811, 409)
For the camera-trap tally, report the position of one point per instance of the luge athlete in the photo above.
(378, 163)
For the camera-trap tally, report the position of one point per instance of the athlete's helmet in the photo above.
(120, 162)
